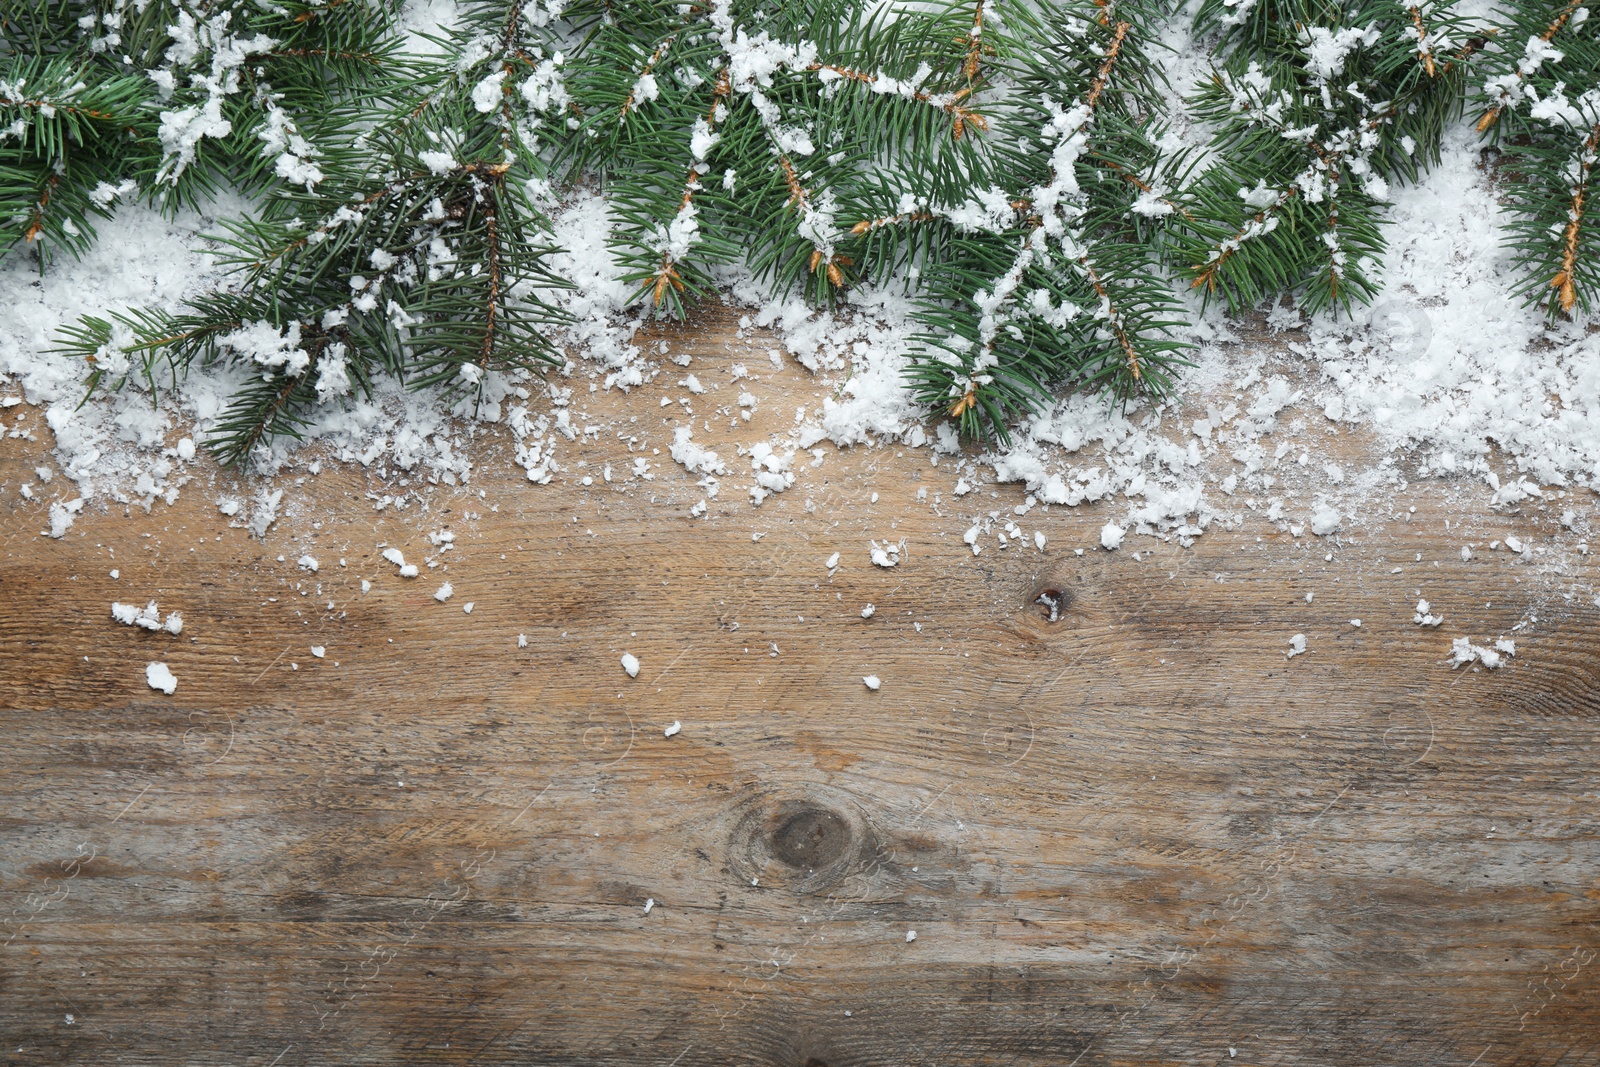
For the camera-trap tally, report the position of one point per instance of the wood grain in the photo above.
(1138, 835)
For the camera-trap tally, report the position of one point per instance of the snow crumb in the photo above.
(1356, 623)
(522, 640)
(649, 903)
(366, 586)
(1297, 646)
(673, 729)
(1463, 651)
(694, 459)
(911, 935)
(468, 606)
(409, 571)
(872, 682)
(159, 677)
(833, 561)
(869, 611)
(1038, 540)
(1424, 617)
(148, 617)
(394, 555)
(630, 663)
(1325, 520)
(443, 592)
(887, 555)
(1111, 536)
(309, 563)
(266, 512)
(62, 513)
(319, 651)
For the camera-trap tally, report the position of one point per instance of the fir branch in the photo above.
(1314, 118)
(1548, 148)
(1073, 293)
(1511, 83)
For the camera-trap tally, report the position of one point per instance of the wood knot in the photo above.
(1052, 603)
(806, 843)
(811, 838)
(1049, 600)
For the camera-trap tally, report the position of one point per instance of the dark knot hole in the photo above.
(811, 839)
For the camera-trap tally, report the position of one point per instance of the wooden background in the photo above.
(1138, 835)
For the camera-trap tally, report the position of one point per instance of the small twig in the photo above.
(269, 666)
(1565, 281)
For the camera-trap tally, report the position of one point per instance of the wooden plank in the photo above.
(1137, 835)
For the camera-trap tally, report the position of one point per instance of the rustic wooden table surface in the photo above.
(1137, 835)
